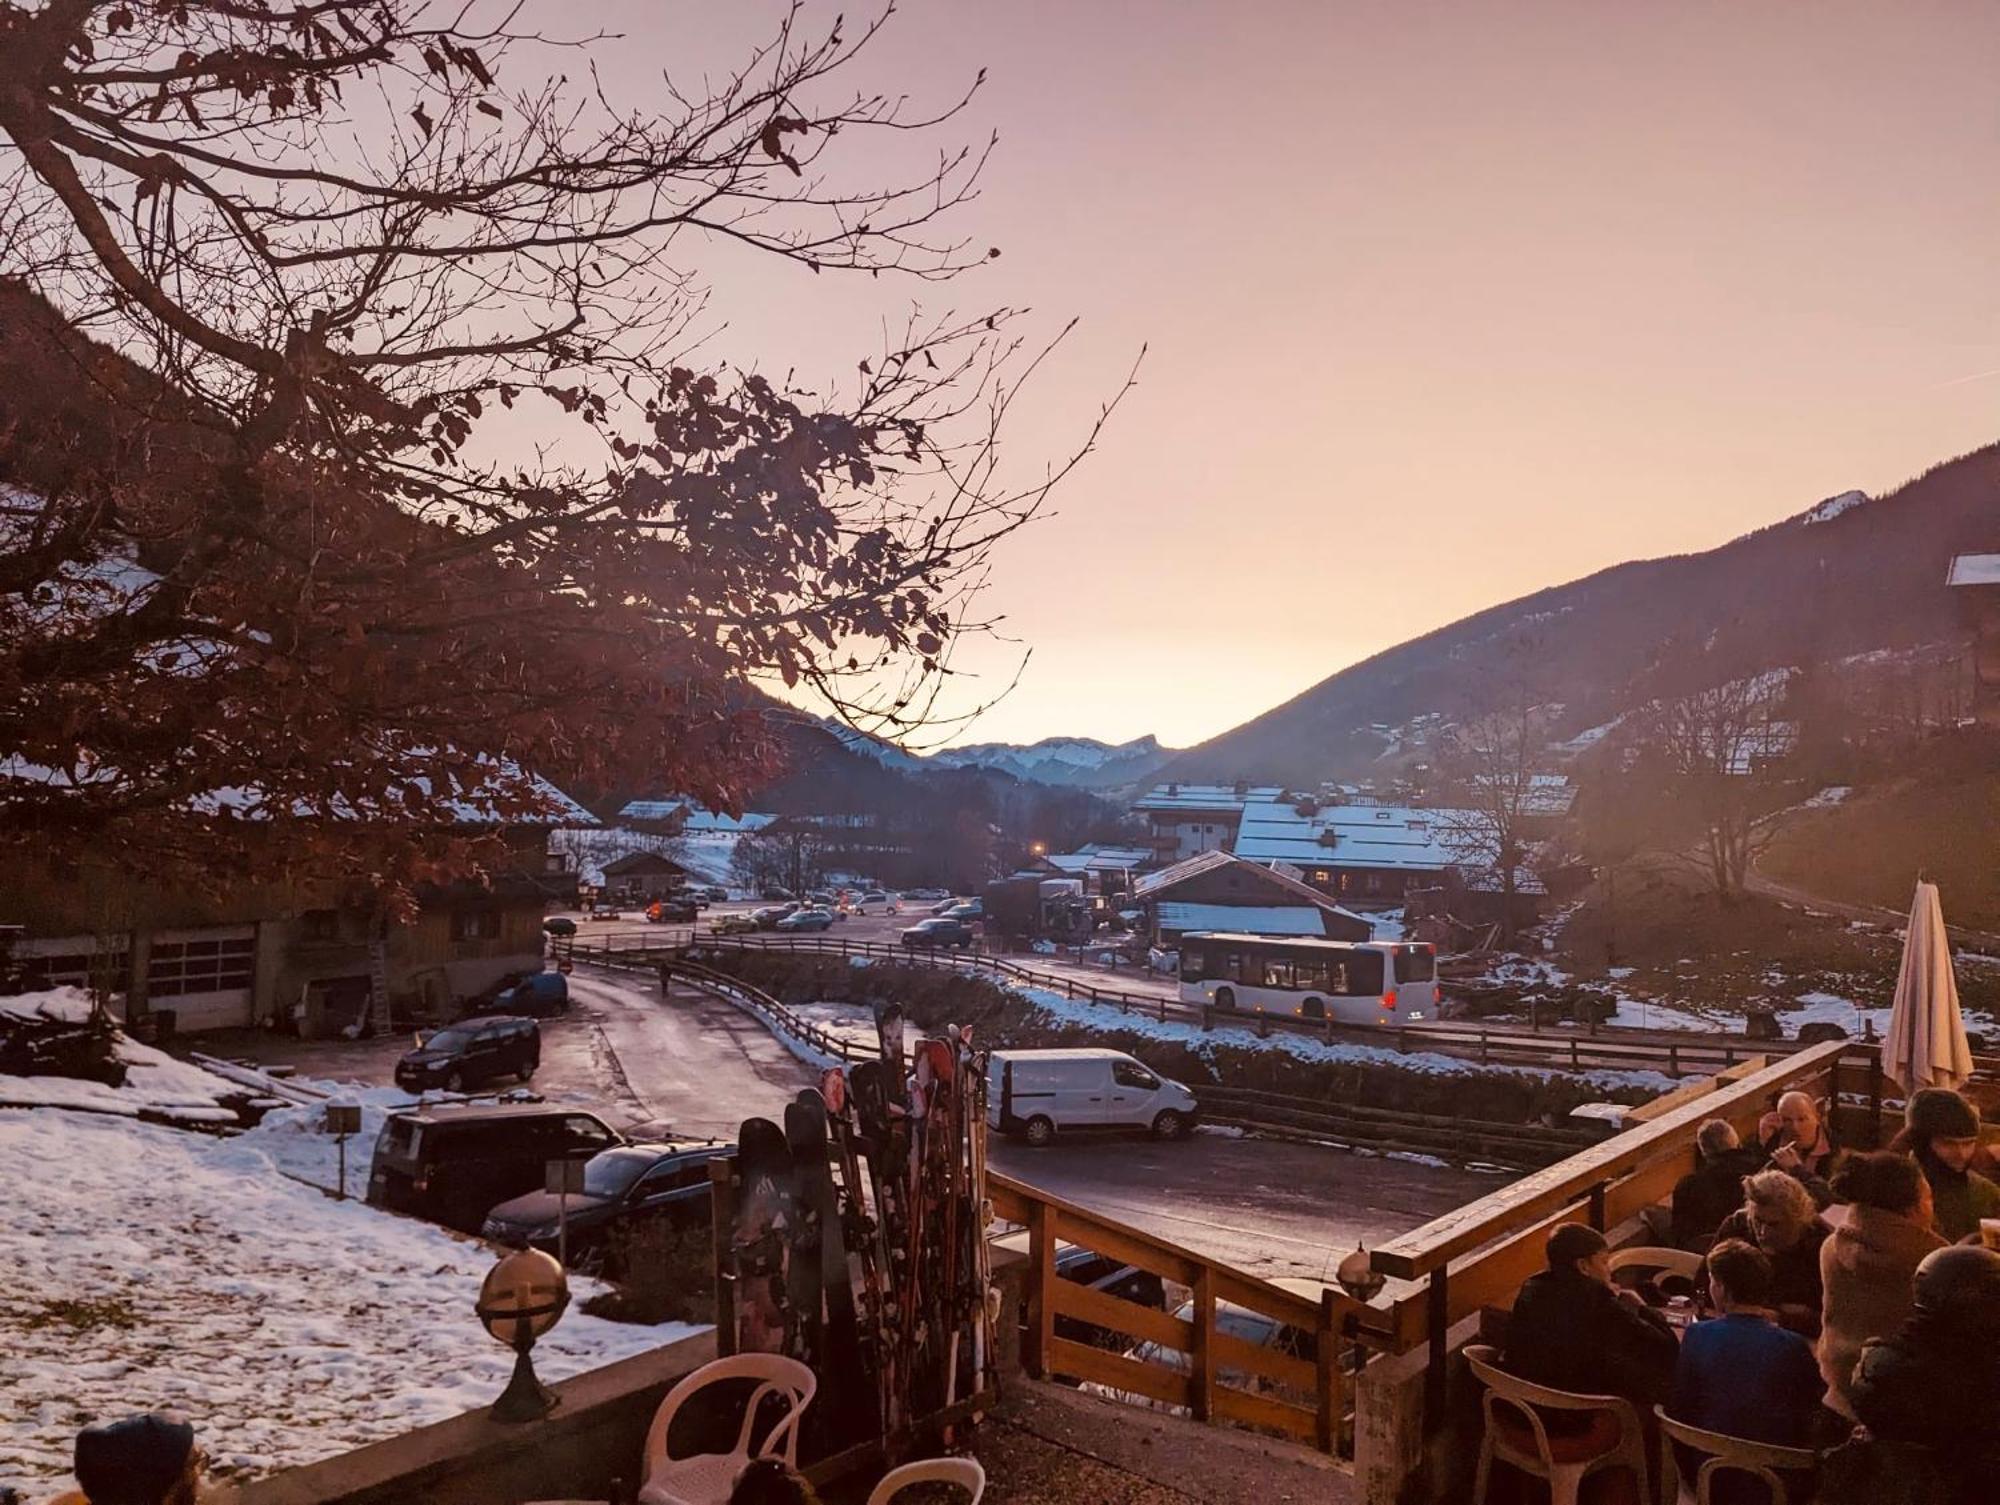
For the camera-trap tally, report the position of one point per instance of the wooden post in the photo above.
(1202, 1395)
(1041, 1288)
(1673, 1060)
(722, 1221)
(1438, 1318)
(1327, 1355)
(1597, 1207)
(1573, 1061)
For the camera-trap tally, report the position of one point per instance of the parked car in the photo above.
(821, 898)
(472, 1052)
(775, 894)
(926, 893)
(946, 907)
(735, 924)
(1102, 1273)
(561, 925)
(541, 995)
(452, 1162)
(876, 901)
(767, 918)
(715, 894)
(1037, 1094)
(672, 911)
(1246, 1326)
(938, 931)
(971, 909)
(804, 920)
(623, 1187)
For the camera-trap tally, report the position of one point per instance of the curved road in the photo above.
(1268, 1207)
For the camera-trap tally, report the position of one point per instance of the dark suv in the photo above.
(472, 1051)
(664, 1183)
(453, 1163)
(939, 931)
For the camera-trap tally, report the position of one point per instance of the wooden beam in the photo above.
(1202, 1393)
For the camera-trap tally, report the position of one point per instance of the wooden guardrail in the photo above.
(1512, 1145)
(1299, 1394)
(1480, 1253)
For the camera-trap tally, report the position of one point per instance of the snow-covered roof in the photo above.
(1251, 919)
(1378, 836)
(1975, 569)
(1153, 885)
(695, 817)
(1171, 797)
(1098, 858)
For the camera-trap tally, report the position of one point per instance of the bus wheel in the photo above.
(1225, 998)
(1040, 1133)
(1313, 1008)
(1169, 1125)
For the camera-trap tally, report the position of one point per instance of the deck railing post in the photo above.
(1202, 1396)
(722, 1222)
(1437, 1311)
(1041, 1288)
(1327, 1355)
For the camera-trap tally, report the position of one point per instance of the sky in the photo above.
(1442, 303)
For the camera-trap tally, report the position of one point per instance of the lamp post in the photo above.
(523, 1296)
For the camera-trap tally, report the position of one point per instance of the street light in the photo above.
(523, 1296)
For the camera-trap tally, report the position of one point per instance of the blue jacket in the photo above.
(1747, 1377)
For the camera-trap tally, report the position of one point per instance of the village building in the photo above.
(1221, 891)
(1185, 819)
(1104, 869)
(677, 815)
(1975, 580)
(299, 956)
(640, 877)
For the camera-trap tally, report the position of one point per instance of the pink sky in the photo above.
(1446, 302)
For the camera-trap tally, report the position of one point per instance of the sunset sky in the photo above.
(1445, 302)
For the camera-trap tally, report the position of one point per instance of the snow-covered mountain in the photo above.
(1082, 762)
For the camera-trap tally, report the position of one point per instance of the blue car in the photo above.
(539, 995)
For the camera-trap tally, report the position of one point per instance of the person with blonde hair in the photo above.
(1778, 1217)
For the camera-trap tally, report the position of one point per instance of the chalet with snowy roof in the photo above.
(1104, 869)
(1975, 580)
(1186, 819)
(1220, 891)
(638, 877)
(677, 815)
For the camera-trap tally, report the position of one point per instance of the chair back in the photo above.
(964, 1472)
(1662, 1261)
(1527, 1399)
(777, 1375)
(1764, 1461)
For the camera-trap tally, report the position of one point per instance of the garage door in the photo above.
(205, 976)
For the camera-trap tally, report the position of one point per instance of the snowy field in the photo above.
(154, 1267)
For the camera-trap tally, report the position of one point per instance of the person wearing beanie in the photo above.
(138, 1460)
(1935, 1383)
(1942, 1130)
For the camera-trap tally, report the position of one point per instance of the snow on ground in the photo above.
(848, 1022)
(151, 1267)
(1833, 506)
(293, 1140)
(154, 1081)
(1833, 794)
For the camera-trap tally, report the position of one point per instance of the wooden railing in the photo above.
(1479, 1254)
(1302, 1398)
(1672, 1053)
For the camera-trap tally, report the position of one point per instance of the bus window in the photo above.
(1364, 975)
(1230, 968)
(1277, 972)
(1311, 972)
(1415, 964)
(1191, 963)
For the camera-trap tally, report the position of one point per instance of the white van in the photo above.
(1035, 1093)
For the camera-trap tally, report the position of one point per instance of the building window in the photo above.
(1374, 883)
(475, 924)
(1320, 875)
(177, 968)
(112, 969)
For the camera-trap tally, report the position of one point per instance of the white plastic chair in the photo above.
(964, 1472)
(1765, 1462)
(708, 1478)
(1565, 1476)
(1660, 1261)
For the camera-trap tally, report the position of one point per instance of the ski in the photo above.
(803, 1280)
(759, 1241)
(807, 1124)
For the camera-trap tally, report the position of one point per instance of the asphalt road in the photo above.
(1268, 1207)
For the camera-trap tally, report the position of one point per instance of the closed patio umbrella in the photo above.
(1925, 1046)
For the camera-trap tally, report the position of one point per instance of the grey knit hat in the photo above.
(1940, 1113)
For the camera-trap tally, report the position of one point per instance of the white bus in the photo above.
(1350, 982)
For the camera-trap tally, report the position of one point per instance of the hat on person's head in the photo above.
(133, 1461)
(1940, 1113)
(1572, 1244)
(1962, 1279)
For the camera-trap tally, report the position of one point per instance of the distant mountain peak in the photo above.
(1062, 760)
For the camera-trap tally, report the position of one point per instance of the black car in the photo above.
(679, 910)
(452, 1162)
(623, 1187)
(939, 931)
(471, 1052)
(561, 926)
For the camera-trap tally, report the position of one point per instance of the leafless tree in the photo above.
(1489, 760)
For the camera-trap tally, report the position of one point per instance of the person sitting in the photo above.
(138, 1460)
(1869, 1264)
(1571, 1329)
(1714, 1188)
(768, 1481)
(1740, 1373)
(1942, 1130)
(1928, 1396)
(1779, 1217)
(1800, 1144)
